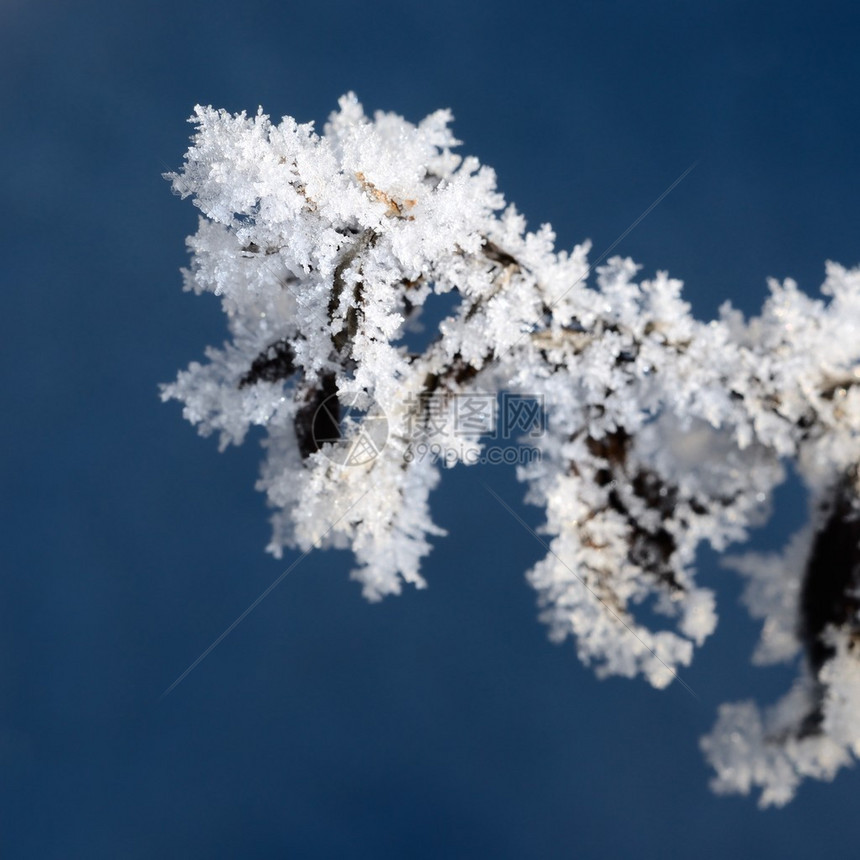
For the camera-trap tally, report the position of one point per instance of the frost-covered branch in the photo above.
(660, 431)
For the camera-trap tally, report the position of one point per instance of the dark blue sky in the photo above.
(437, 724)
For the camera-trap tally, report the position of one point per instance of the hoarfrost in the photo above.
(661, 431)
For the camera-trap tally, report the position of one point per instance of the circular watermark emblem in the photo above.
(351, 430)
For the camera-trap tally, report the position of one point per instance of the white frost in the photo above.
(661, 431)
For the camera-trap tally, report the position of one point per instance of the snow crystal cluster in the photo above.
(661, 431)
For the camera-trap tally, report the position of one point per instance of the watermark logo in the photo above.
(350, 430)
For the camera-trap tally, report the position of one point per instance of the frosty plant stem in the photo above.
(657, 431)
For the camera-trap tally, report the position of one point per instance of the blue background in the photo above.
(441, 723)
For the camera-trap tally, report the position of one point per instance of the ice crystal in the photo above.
(659, 431)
